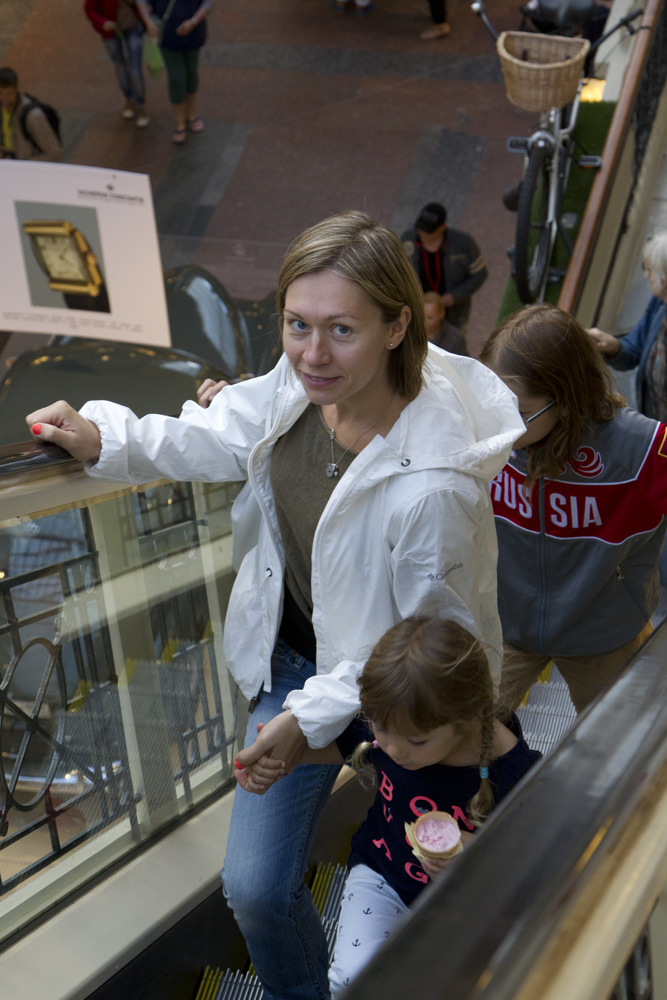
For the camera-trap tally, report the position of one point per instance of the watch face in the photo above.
(61, 258)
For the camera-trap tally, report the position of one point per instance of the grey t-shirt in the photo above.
(301, 491)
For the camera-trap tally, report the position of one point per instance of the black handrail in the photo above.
(478, 931)
(27, 455)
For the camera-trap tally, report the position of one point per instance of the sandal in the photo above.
(436, 31)
(195, 124)
(178, 136)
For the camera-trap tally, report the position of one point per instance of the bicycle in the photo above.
(548, 155)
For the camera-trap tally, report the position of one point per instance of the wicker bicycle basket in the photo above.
(541, 71)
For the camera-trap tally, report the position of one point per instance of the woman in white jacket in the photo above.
(366, 495)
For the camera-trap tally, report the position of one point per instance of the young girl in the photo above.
(430, 737)
(579, 510)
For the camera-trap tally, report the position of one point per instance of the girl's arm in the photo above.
(436, 866)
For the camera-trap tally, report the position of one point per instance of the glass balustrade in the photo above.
(118, 717)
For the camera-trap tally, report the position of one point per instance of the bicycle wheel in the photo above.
(533, 244)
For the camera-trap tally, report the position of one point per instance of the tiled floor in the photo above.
(307, 112)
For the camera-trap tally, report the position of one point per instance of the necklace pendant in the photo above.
(332, 469)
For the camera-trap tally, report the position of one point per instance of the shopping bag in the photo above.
(153, 60)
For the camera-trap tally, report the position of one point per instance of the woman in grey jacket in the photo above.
(579, 510)
(366, 494)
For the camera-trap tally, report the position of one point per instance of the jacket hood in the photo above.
(467, 419)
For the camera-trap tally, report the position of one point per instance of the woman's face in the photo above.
(336, 340)
(657, 283)
(538, 424)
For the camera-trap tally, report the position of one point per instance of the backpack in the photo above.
(51, 114)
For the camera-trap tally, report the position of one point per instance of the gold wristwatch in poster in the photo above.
(63, 253)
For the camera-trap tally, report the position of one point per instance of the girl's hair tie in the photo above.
(483, 772)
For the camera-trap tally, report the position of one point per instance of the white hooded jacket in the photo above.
(408, 526)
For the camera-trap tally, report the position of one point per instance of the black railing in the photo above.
(66, 772)
(25, 456)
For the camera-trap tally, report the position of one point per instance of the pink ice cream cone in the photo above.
(434, 835)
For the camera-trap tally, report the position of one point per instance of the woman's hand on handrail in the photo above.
(61, 424)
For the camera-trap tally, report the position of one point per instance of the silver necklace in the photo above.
(332, 466)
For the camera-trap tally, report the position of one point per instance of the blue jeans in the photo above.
(267, 854)
(126, 53)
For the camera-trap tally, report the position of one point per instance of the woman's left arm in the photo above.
(444, 557)
(442, 551)
(185, 27)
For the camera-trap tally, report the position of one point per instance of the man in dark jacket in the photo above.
(446, 260)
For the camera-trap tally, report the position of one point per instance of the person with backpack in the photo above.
(30, 127)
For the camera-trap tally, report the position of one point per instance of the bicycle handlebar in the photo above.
(478, 8)
(624, 22)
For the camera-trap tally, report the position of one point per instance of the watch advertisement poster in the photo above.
(80, 253)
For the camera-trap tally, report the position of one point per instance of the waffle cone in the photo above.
(418, 849)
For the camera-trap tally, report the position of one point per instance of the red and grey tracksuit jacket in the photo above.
(577, 555)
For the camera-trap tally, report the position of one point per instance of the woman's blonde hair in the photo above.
(548, 353)
(356, 247)
(425, 673)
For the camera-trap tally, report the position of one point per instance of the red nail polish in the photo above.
(238, 765)
(36, 428)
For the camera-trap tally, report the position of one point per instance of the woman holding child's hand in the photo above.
(366, 493)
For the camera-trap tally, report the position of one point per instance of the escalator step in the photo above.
(326, 886)
(547, 712)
